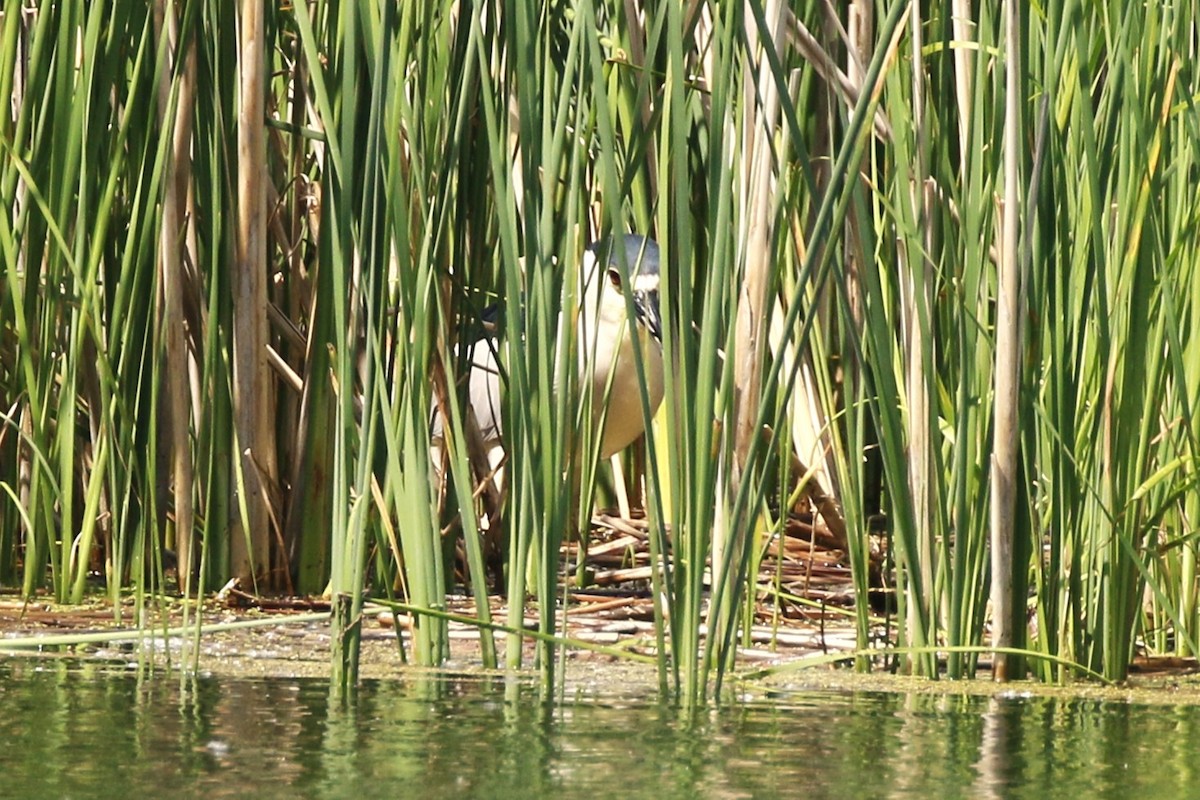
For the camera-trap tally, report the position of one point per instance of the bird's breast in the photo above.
(623, 419)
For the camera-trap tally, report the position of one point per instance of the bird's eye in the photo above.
(614, 278)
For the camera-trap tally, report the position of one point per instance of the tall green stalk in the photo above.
(420, 161)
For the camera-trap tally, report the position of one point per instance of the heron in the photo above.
(607, 336)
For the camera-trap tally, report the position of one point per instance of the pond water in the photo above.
(68, 730)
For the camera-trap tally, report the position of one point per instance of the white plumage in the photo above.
(605, 348)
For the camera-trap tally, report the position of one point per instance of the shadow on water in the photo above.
(72, 730)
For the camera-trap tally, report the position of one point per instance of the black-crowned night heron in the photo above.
(605, 347)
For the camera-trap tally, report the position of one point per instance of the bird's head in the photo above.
(636, 257)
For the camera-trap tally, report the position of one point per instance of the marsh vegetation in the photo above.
(929, 277)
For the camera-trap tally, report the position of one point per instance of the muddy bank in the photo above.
(297, 644)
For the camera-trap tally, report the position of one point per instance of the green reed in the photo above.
(237, 355)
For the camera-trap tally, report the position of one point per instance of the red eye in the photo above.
(614, 278)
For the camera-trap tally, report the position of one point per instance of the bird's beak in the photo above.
(645, 304)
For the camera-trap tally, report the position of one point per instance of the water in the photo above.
(68, 730)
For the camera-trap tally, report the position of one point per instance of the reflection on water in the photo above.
(79, 731)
